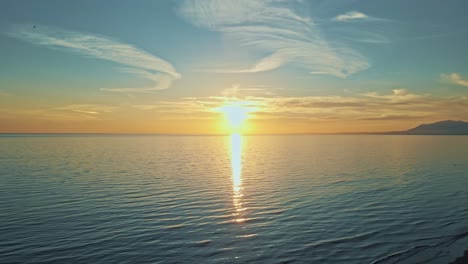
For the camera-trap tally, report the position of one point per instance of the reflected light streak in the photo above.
(236, 164)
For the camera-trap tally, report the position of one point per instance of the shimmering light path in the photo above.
(236, 164)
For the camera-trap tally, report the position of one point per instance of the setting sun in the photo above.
(236, 115)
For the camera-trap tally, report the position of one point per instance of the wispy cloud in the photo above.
(76, 112)
(148, 66)
(91, 109)
(401, 92)
(351, 15)
(399, 104)
(72, 112)
(236, 90)
(356, 16)
(276, 29)
(454, 78)
(359, 35)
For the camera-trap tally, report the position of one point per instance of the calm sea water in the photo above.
(251, 199)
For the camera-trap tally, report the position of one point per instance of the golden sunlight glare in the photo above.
(236, 114)
(236, 164)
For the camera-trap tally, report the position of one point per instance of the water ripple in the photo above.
(270, 199)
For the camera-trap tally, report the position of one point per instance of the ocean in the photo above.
(233, 199)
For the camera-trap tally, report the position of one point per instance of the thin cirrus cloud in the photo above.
(365, 37)
(352, 16)
(399, 104)
(91, 109)
(276, 29)
(139, 62)
(346, 28)
(76, 112)
(73, 112)
(454, 78)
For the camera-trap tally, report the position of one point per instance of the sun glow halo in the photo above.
(236, 115)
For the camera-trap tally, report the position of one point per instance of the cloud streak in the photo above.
(351, 15)
(399, 104)
(354, 16)
(275, 29)
(454, 78)
(90, 109)
(148, 66)
(72, 112)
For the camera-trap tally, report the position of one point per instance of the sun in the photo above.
(236, 115)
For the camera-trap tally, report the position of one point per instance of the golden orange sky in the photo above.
(266, 115)
(369, 68)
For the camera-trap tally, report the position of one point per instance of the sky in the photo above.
(171, 66)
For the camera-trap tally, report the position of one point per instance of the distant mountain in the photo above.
(447, 127)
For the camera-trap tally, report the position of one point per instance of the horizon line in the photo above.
(391, 133)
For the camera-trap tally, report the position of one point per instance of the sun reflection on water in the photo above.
(236, 164)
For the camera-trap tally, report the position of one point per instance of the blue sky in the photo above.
(115, 61)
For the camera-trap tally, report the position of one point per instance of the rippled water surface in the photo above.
(249, 199)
